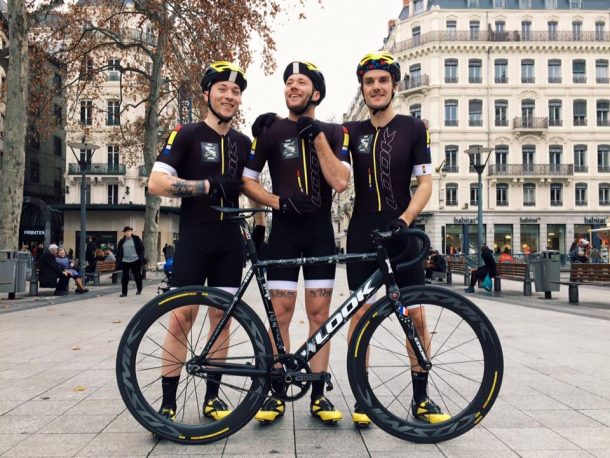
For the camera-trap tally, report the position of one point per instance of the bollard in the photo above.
(33, 282)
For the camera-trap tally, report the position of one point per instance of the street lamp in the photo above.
(474, 155)
(84, 162)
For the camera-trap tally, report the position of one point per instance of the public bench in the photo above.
(586, 274)
(458, 265)
(515, 271)
(105, 267)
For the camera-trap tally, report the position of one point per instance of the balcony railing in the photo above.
(413, 83)
(475, 122)
(554, 79)
(555, 122)
(98, 169)
(603, 122)
(142, 171)
(451, 79)
(451, 122)
(501, 122)
(581, 168)
(531, 169)
(581, 203)
(579, 78)
(579, 122)
(501, 79)
(530, 123)
(475, 79)
(492, 36)
(528, 79)
(451, 169)
(603, 168)
(602, 80)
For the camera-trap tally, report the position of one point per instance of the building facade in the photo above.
(530, 79)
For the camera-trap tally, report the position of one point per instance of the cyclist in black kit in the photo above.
(202, 163)
(307, 160)
(387, 150)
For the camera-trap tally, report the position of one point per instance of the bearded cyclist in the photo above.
(307, 160)
(202, 163)
(387, 150)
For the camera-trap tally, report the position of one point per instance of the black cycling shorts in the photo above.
(359, 241)
(296, 236)
(208, 251)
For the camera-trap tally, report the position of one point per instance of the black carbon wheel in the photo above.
(143, 354)
(466, 356)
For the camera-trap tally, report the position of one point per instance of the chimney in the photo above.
(391, 25)
(405, 3)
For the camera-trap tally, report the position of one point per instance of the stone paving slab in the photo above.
(58, 394)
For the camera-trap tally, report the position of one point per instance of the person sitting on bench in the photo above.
(489, 268)
(437, 263)
(68, 266)
(52, 275)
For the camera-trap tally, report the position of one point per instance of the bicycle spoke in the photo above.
(436, 355)
(205, 318)
(390, 379)
(458, 374)
(448, 337)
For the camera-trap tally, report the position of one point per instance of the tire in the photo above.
(466, 356)
(139, 362)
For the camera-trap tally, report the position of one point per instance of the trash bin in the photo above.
(8, 272)
(546, 266)
(24, 262)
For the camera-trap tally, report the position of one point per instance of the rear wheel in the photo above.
(143, 353)
(466, 356)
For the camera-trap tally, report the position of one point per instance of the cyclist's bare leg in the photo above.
(176, 344)
(317, 306)
(283, 301)
(418, 315)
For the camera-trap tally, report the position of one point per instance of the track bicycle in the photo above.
(462, 352)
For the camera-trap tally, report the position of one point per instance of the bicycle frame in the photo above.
(383, 275)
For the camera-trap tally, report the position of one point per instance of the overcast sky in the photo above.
(334, 36)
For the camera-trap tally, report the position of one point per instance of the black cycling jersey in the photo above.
(293, 162)
(196, 152)
(384, 160)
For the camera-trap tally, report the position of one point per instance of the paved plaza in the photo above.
(58, 394)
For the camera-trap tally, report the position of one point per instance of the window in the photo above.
(603, 158)
(34, 172)
(476, 158)
(580, 194)
(451, 112)
(527, 71)
(114, 113)
(451, 191)
(419, 6)
(113, 194)
(576, 30)
(556, 194)
(474, 71)
(501, 70)
(501, 109)
(580, 158)
(500, 33)
(600, 30)
(451, 29)
(57, 84)
(415, 73)
(602, 113)
(526, 29)
(84, 154)
(86, 69)
(523, 4)
(451, 162)
(601, 71)
(57, 113)
(499, 3)
(580, 112)
(555, 113)
(114, 69)
(579, 71)
(555, 153)
(554, 71)
(113, 158)
(529, 194)
(475, 112)
(552, 29)
(576, 4)
(502, 195)
(501, 158)
(474, 194)
(604, 194)
(473, 3)
(527, 153)
(57, 146)
(57, 182)
(86, 112)
(475, 28)
(415, 110)
(528, 112)
(416, 33)
(451, 71)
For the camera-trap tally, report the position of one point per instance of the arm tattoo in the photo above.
(186, 188)
(283, 293)
(320, 292)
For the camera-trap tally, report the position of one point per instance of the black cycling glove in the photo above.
(258, 237)
(397, 225)
(264, 120)
(297, 204)
(224, 187)
(307, 128)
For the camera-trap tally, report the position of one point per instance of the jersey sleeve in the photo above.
(340, 145)
(172, 155)
(257, 157)
(422, 159)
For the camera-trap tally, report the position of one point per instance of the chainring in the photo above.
(283, 379)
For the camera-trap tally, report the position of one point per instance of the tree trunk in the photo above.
(13, 162)
(151, 131)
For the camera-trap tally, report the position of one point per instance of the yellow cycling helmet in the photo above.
(223, 70)
(381, 60)
(312, 72)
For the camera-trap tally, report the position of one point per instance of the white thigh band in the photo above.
(282, 284)
(328, 284)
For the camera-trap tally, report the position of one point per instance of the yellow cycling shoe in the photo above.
(325, 410)
(216, 409)
(271, 410)
(429, 412)
(166, 412)
(360, 419)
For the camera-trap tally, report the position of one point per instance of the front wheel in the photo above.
(144, 352)
(462, 345)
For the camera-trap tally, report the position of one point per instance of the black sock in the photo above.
(213, 386)
(169, 386)
(317, 389)
(420, 385)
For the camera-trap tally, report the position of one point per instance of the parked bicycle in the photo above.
(462, 353)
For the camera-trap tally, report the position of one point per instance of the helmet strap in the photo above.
(300, 111)
(377, 110)
(220, 117)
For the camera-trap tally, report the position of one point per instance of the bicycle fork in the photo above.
(401, 312)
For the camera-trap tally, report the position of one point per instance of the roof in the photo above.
(603, 5)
